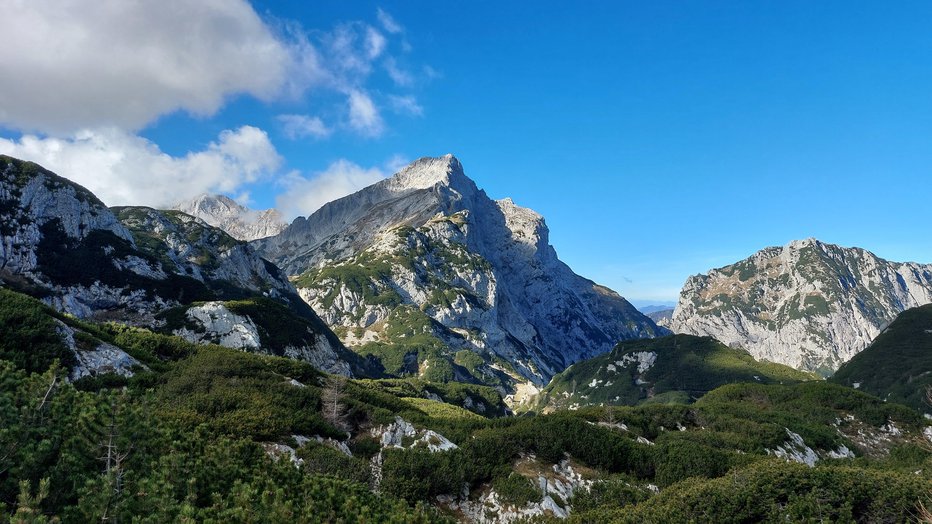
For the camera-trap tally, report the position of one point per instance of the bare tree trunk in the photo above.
(334, 410)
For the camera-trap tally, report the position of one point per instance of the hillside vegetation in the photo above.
(205, 433)
(676, 368)
(897, 366)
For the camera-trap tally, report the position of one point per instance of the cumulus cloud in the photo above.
(124, 169)
(74, 64)
(300, 126)
(364, 116)
(304, 195)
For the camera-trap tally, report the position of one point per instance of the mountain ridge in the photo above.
(236, 219)
(483, 269)
(59, 242)
(809, 304)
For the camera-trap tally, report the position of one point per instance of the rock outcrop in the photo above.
(809, 304)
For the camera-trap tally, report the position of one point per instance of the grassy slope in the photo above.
(898, 363)
(686, 367)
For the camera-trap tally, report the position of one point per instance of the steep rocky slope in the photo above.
(676, 368)
(897, 366)
(809, 305)
(237, 220)
(60, 243)
(422, 264)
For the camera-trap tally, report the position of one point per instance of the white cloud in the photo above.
(304, 195)
(74, 64)
(364, 116)
(375, 43)
(300, 126)
(125, 169)
(406, 105)
(388, 23)
(397, 74)
(396, 163)
(70, 65)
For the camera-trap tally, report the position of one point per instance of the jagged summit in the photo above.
(427, 172)
(210, 202)
(809, 304)
(236, 219)
(430, 173)
(427, 248)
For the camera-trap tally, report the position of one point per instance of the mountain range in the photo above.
(141, 346)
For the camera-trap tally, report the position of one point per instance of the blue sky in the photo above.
(659, 139)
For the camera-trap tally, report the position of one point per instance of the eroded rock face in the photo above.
(95, 357)
(191, 247)
(213, 322)
(483, 272)
(809, 305)
(58, 236)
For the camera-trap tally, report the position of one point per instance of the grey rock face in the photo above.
(215, 323)
(237, 220)
(189, 246)
(482, 269)
(100, 359)
(58, 241)
(809, 305)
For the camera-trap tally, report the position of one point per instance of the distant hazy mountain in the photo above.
(647, 310)
(423, 263)
(808, 304)
(897, 366)
(237, 220)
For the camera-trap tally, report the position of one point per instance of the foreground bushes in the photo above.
(775, 491)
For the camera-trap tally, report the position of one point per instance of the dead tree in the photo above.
(333, 408)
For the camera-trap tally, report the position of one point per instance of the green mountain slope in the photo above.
(143, 266)
(202, 432)
(676, 368)
(897, 366)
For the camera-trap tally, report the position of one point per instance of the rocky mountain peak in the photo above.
(803, 243)
(237, 220)
(427, 172)
(809, 304)
(213, 204)
(427, 255)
